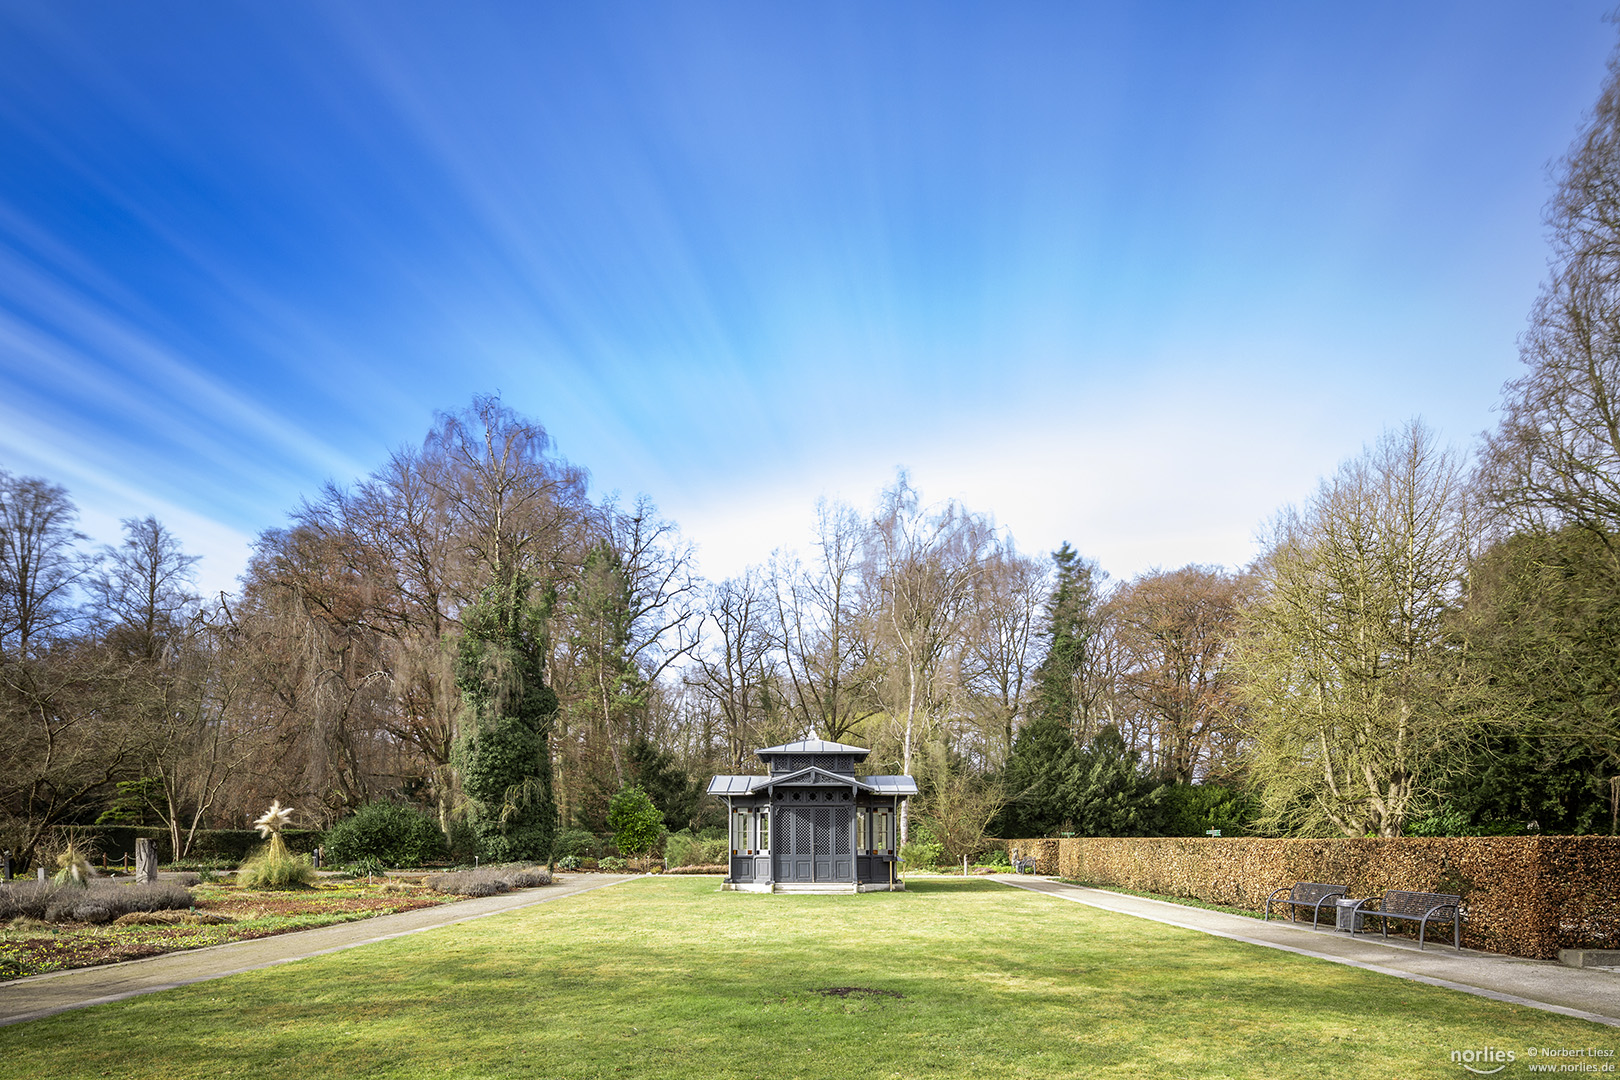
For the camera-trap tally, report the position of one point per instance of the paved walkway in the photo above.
(1586, 993)
(59, 991)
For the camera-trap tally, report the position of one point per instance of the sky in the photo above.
(1130, 276)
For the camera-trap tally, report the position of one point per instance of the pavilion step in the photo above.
(814, 887)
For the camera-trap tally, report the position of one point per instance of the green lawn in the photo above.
(670, 977)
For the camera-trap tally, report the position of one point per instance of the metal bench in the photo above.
(1419, 907)
(1021, 866)
(1306, 894)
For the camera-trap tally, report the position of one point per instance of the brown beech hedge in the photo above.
(1526, 895)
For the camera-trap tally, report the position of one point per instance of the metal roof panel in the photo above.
(891, 785)
(813, 746)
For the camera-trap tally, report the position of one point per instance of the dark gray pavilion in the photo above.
(810, 824)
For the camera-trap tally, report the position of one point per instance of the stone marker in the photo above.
(145, 861)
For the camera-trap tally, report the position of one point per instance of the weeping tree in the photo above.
(505, 747)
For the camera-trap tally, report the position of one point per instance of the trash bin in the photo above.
(1346, 918)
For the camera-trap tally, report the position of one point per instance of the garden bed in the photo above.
(31, 947)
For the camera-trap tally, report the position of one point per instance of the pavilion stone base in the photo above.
(820, 887)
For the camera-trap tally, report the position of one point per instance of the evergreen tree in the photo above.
(1068, 631)
(1044, 755)
(505, 748)
(657, 773)
(1107, 793)
(1045, 751)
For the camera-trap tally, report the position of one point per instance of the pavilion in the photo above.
(810, 824)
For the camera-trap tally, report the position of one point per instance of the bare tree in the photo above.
(1554, 459)
(921, 565)
(822, 627)
(737, 673)
(40, 565)
(1348, 677)
(997, 660)
(1175, 629)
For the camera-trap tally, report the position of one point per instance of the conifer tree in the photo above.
(505, 748)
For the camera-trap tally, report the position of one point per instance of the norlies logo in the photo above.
(1488, 1055)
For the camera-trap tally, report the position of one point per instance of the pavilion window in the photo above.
(764, 830)
(880, 830)
(863, 832)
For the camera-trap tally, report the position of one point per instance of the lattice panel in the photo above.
(841, 818)
(801, 833)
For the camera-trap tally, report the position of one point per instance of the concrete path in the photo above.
(44, 995)
(1585, 993)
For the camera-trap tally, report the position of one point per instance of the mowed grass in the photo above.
(669, 977)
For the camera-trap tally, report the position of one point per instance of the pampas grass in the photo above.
(72, 867)
(274, 867)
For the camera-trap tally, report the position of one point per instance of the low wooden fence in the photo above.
(1526, 895)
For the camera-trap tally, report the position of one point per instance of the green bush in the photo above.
(922, 851)
(578, 843)
(613, 865)
(389, 833)
(678, 848)
(684, 849)
(1194, 809)
(637, 824)
(365, 868)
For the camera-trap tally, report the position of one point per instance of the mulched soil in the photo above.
(36, 949)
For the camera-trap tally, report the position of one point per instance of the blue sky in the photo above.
(1131, 276)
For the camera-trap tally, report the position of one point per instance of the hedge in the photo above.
(1526, 896)
(226, 845)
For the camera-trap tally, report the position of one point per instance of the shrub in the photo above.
(636, 823)
(576, 843)
(1194, 809)
(613, 865)
(275, 867)
(367, 867)
(922, 853)
(489, 880)
(684, 849)
(100, 902)
(679, 848)
(388, 833)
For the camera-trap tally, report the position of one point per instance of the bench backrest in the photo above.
(1417, 903)
(1309, 892)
